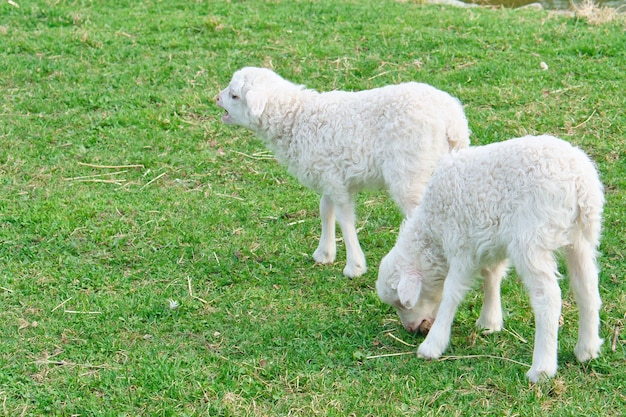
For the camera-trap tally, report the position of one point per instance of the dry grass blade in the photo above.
(111, 166)
(447, 358)
(72, 364)
(388, 355)
(153, 180)
(615, 337)
(112, 181)
(191, 292)
(89, 177)
(61, 305)
(515, 334)
(81, 312)
(259, 156)
(234, 197)
(399, 340)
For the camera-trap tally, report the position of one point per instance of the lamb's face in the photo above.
(233, 100)
(246, 96)
(400, 285)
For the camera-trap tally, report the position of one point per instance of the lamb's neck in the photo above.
(426, 251)
(280, 116)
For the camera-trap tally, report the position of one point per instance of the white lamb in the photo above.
(339, 143)
(521, 199)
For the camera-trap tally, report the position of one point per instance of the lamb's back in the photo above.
(382, 110)
(493, 192)
(349, 135)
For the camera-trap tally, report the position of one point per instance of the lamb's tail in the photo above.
(590, 192)
(457, 130)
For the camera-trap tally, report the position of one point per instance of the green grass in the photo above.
(91, 256)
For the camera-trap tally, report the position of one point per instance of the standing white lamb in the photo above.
(521, 199)
(339, 143)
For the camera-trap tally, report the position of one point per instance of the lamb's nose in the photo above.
(411, 327)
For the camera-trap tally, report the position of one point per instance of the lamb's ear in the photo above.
(409, 288)
(256, 102)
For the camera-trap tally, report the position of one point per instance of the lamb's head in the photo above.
(247, 95)
(401, 285)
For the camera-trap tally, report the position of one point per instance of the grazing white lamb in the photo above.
(520, 200)
(339, 143)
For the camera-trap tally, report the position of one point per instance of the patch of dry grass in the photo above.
(594, 13)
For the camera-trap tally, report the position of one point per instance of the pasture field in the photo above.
(155, 262)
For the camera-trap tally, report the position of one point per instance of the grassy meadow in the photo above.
(155, 262)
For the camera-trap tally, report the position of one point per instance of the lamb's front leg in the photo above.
(491, 314)
(355, 262)
(327, 248)
(455, 287)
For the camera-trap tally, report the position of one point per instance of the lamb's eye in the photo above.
(234, 96)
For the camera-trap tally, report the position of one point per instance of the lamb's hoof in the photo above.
(536, 375)
(324, 256)
(588, 351)
(426, 351)
(353, 271)
(489, 328)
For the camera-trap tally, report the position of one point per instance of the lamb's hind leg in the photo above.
(327, 248)
(538, 270)
(405, 187)
(491, 314)
(355, 259)
(583, 272)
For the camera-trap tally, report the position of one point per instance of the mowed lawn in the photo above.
(156, 262)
